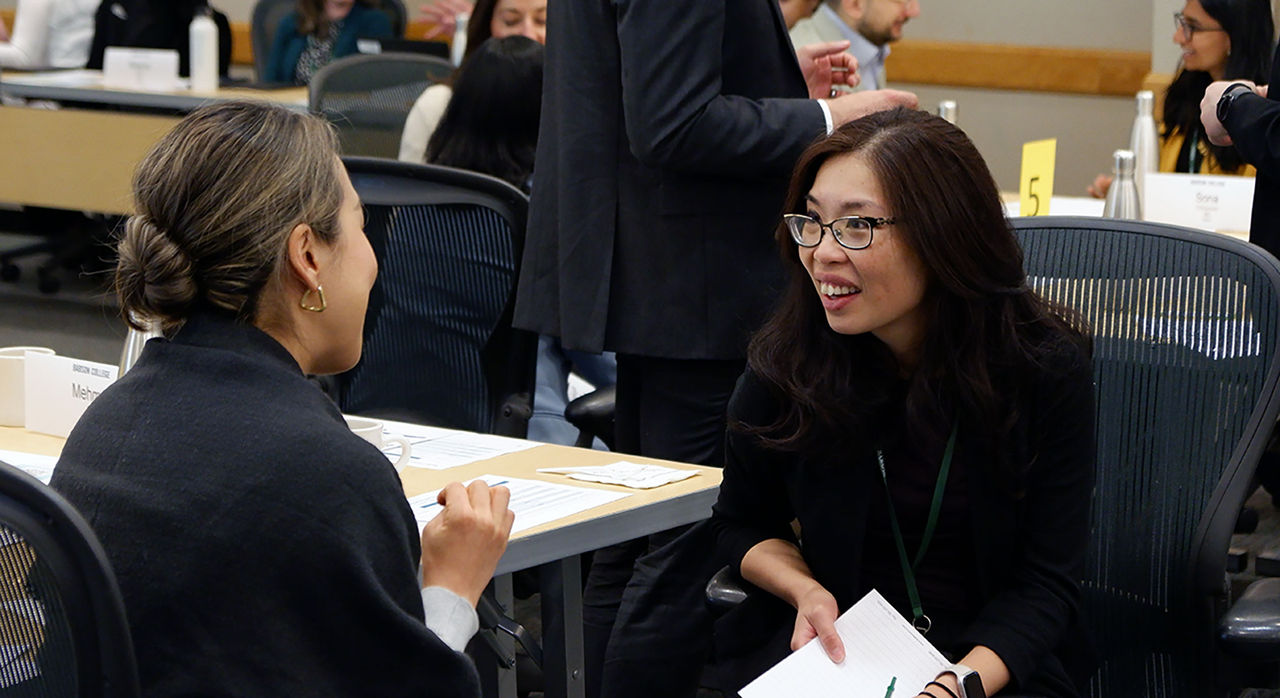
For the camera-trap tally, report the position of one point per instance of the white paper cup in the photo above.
(371, 430)
(13, 401)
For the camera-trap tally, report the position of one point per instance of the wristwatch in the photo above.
(970, 682)
(1229, 96)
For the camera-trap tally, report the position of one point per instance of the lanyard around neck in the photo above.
(1193, 157)
(919, 619)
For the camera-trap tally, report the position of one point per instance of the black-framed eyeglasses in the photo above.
(850, 232)
(1180, 22)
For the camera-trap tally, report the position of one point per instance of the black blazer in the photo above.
(669, 130)
(1254, 125)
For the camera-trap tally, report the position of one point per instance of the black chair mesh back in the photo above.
(267, 15)
(1185, 345)
(438, 343)
(368, 98)
(63, 630)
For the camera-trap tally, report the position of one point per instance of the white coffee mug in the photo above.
(371, 430)
(13, 401)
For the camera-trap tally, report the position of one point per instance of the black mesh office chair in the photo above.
(63, 630)
(1186, 350)
(439, 347)
(368, 97)
(268, 13)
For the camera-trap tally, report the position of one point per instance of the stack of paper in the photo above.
(533, 501)
(641, 476)
(881, 649)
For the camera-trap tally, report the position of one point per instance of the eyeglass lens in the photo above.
(854, 233)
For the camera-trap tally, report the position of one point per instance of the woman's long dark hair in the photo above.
(985, 327)
(1249, 27)
(491, 123)
(479, 26)
(311, 19)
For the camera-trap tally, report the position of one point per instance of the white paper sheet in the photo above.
(38, 466)
(641, 476)
(880, 647)
(435, 448)
(533, 501)
(56, 78)
(1063, 206)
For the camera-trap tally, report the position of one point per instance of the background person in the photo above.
(491, 126)
(48, 34)
(155, 24)
(868, 25)
(319, 32)
(1220, 39)
(491, 18)
(907, 358)
(261, 547)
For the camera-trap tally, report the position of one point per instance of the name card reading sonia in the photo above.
(1210, 202)
(147, 69)
(59, 390)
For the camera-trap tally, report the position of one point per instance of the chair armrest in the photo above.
(592, 414)
(1251, 627)
(726, 589)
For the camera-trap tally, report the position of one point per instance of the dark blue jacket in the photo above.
(287, 47)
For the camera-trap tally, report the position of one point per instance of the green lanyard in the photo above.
(920, 620)
(1193, 157)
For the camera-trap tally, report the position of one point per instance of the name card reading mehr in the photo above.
(60, 389)
(1210, 202)
(149, 69)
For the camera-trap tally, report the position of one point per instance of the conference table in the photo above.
(553, 548)
(82, 157)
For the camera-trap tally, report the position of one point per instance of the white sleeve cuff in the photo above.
(449, 616)
(826, 115)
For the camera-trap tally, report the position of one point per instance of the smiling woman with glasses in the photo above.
(925, 417)
(1220, 40)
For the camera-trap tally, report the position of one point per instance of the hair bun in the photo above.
(154, 276)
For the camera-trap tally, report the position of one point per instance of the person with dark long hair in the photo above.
(924, 415)
(489, 19)
(1220, 40)
(318, 32)
(491, 123)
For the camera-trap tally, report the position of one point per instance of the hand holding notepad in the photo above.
(881, 650)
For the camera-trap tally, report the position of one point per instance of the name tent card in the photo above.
(60, 389)
(147, 69)
(1035, 186)
(1217, 203)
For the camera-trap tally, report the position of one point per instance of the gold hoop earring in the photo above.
(319, 291)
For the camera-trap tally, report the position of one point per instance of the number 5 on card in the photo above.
(1035, 186)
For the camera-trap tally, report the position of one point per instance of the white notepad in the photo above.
(880, 648)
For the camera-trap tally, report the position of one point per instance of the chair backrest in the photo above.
(63, 630)
(1187, 342)
(438, 341)
(268, 13)
(368, 98)
(394, 9)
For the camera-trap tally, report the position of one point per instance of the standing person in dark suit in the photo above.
(652, 212)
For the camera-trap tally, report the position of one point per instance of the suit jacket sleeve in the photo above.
(1254, 125)
(676, 115)
(1030, 615)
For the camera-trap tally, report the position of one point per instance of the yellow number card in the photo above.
(1035, 187)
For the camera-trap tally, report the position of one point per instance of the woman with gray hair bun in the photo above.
(261, 547)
